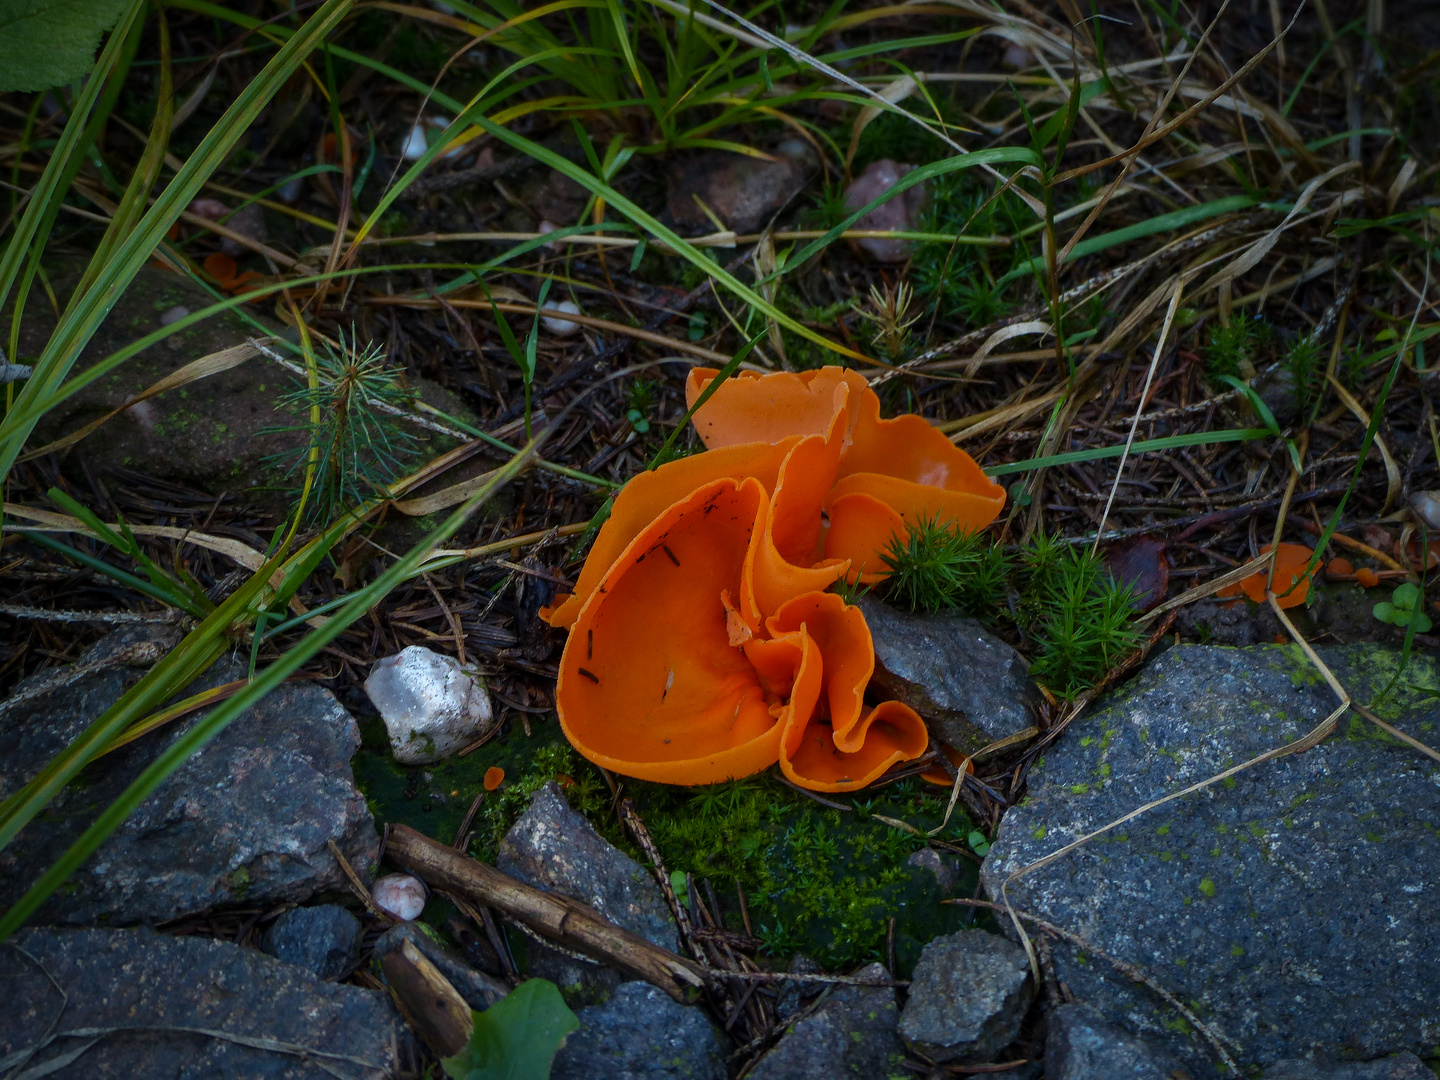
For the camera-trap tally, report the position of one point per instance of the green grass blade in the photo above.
(1170, 442)
(1177, 219)
(86, 313)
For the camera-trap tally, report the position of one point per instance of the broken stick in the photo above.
(567, 922)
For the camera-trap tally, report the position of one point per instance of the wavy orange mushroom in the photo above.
(703, 643)
(1290, 563)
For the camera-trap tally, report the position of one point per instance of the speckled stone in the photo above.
(1081, 1046)
(850, 1034)
(642, 1034)
(970, 686)
(324, 940)
(149, 986)
(1293, 905)
(246, 819)
(552, 847)
(1398, 1067)
(968, 997)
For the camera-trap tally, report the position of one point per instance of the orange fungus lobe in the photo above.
(493, 777)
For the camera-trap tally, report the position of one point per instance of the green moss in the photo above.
(815, 880)
(1207, 886)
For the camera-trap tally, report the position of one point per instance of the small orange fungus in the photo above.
(1339, 567)
(703, 643)
(222, 268)
(1290, 586)
(493, 777)
(937, 775)
(1367, 577)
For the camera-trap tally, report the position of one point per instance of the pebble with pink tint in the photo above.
(400, 896)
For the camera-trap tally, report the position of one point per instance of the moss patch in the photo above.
(816, 880)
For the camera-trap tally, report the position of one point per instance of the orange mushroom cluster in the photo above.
(1291, 585)
(704, 644)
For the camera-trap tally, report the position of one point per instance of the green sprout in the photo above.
(935, 567)
(1083, 616)
(355, 438)
(1404, 608)
(1234, 345)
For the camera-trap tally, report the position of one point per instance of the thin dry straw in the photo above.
(1140, 408)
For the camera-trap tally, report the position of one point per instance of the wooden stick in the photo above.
(434, 1008)
(568, 922)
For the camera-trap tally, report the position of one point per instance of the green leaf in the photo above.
(516, 1038)
(47, 43)
(1405, 596)
(1385, 611)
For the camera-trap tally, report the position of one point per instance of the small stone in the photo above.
(641, 1034)
(1079, 1045)
(479, 990)
(852, 1033)
(173, 315)
(399, 895)
(901, 213)
(559, 199)
(968, 997)
(552, 847)
(432, 707)
(156, 1000)
(1426, 505)
(791, 997)
(323, 940)
(248, 221)
(742, 191)
(415, 144)
(558, 326)
(931, 860)
(1404, 1066)
(970, 686)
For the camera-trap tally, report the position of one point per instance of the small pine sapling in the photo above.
(935, 567)
(355, 439)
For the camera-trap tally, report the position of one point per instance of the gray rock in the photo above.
(1399, 1067)
(970, 686)
(850, 1034)
(900, 214)
(479, 990)
(641, 1034)
(968, 997)
(247, 818)
(143, 990)
(1081, 1046)
(552, 847)
(1293, 905)
(792, 996)
(744, 192)
(324, 940)
(945, 870)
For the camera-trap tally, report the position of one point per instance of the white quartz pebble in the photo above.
(399, 895)
(432, 707)
(561, 327)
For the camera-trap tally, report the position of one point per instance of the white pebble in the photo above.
(174, 314)
(414, 146)
(1426, 505)
(399, 895)
(561, 327)
(432, 707)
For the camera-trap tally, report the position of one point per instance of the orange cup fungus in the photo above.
(494, 777)
(703, 643)
(1290, 563)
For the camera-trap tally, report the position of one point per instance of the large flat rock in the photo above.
(246, 819)
(135, 1005)
(1293, 906)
